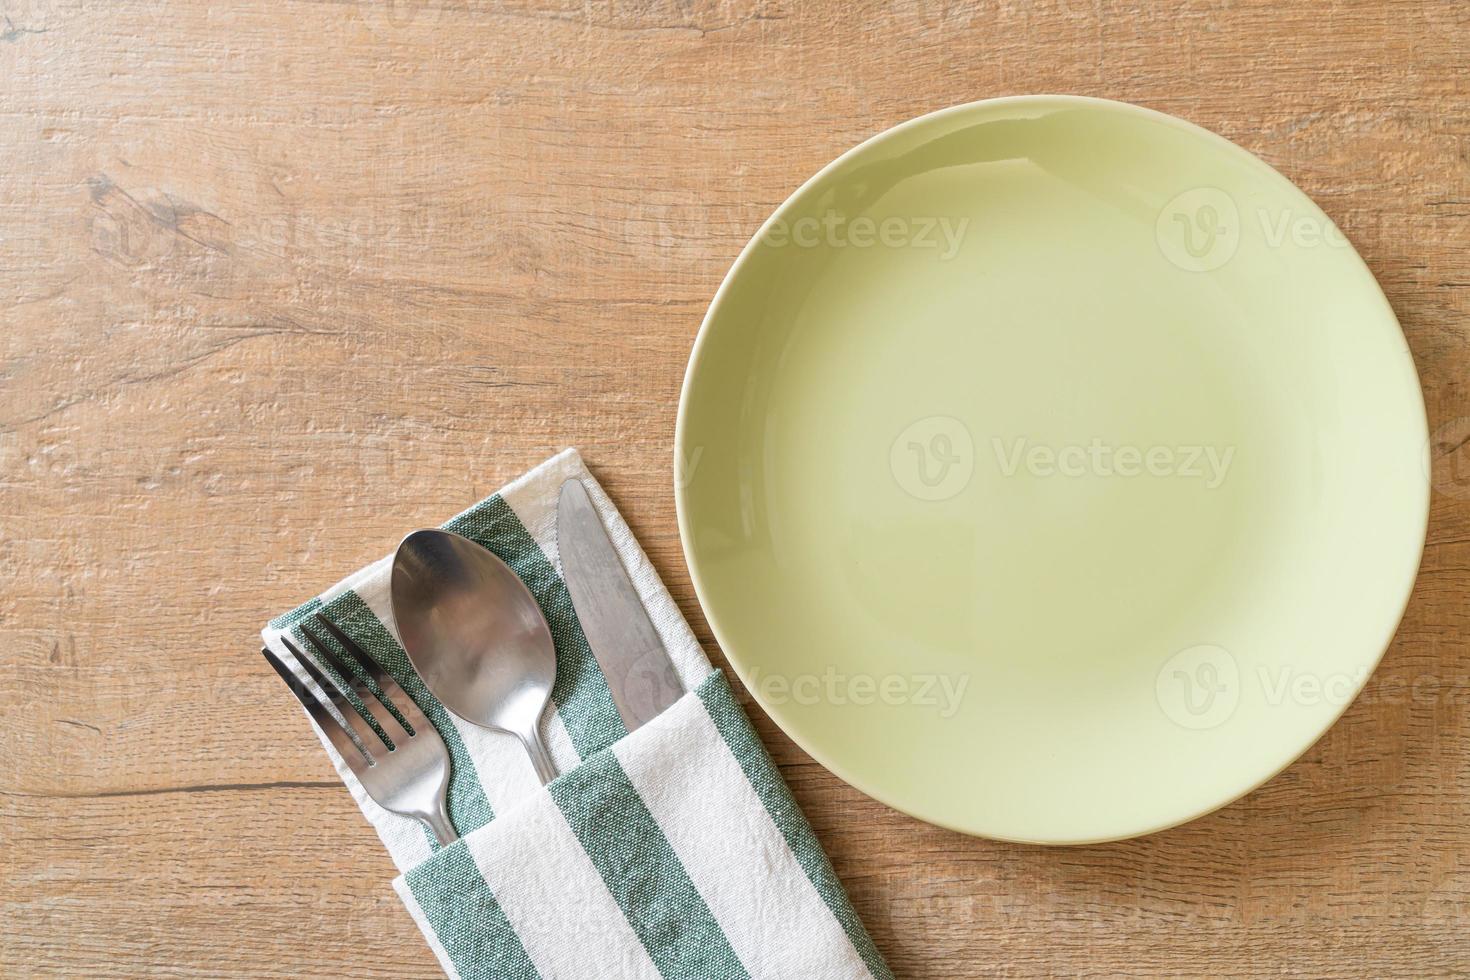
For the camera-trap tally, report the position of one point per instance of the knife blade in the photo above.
(638, 669)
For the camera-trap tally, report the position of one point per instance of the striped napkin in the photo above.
(673, 852)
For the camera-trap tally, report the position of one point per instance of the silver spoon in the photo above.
(476, 636)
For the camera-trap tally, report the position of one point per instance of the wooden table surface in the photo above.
(281, 280)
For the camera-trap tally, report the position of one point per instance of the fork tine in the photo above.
(395, 696)
(392, 725)
(346, 747)
(370, 740)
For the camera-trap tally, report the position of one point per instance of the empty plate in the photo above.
(1052, 469)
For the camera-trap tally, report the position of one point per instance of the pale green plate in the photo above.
(1052, 469)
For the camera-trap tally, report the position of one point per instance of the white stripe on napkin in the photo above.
(416, 912)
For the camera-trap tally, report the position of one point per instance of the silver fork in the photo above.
(408, 773)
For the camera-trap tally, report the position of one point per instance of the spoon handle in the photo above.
(540, 758)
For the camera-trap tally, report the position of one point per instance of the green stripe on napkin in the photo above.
(290, 619)
(469, 922)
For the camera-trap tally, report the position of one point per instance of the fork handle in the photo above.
(440, 824)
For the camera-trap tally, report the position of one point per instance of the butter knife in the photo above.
(633, 659)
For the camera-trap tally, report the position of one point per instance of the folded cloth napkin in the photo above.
(676, 851)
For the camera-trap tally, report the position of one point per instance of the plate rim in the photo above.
(681, 506)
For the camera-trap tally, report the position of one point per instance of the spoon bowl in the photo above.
(476, 635)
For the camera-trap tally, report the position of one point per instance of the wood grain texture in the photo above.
(281, 280)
